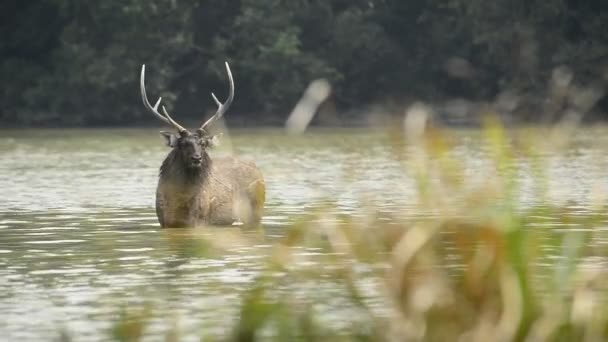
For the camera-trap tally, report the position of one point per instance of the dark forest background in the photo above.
(77, 63)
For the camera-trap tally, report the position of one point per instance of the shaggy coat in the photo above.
(219, 192)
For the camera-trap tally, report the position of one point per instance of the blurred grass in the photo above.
(479, 267)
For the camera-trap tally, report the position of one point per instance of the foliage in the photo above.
(68, 62)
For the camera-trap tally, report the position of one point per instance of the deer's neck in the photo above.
(179, 173)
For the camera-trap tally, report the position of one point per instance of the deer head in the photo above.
(190, 147)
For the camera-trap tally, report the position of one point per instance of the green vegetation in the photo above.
(69, 62)
(473, 263)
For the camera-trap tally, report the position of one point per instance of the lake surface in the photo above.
(79, 238)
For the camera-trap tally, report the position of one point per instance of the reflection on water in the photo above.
(79, 237)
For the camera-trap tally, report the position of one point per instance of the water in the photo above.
(79, 239)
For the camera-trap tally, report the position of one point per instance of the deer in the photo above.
(195, 189)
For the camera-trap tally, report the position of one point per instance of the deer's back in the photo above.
(237, 189)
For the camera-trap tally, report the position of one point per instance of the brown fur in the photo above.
(219, 192)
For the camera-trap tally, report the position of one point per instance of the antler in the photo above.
(166, 117)
(221, 107)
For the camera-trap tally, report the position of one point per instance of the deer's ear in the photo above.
(170, 138)
(215, 140)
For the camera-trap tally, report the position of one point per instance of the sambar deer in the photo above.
(195, 189)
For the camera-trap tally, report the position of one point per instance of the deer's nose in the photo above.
(196, 158)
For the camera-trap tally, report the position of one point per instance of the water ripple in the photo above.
(79, 238)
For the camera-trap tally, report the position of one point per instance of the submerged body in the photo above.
(221, 191)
